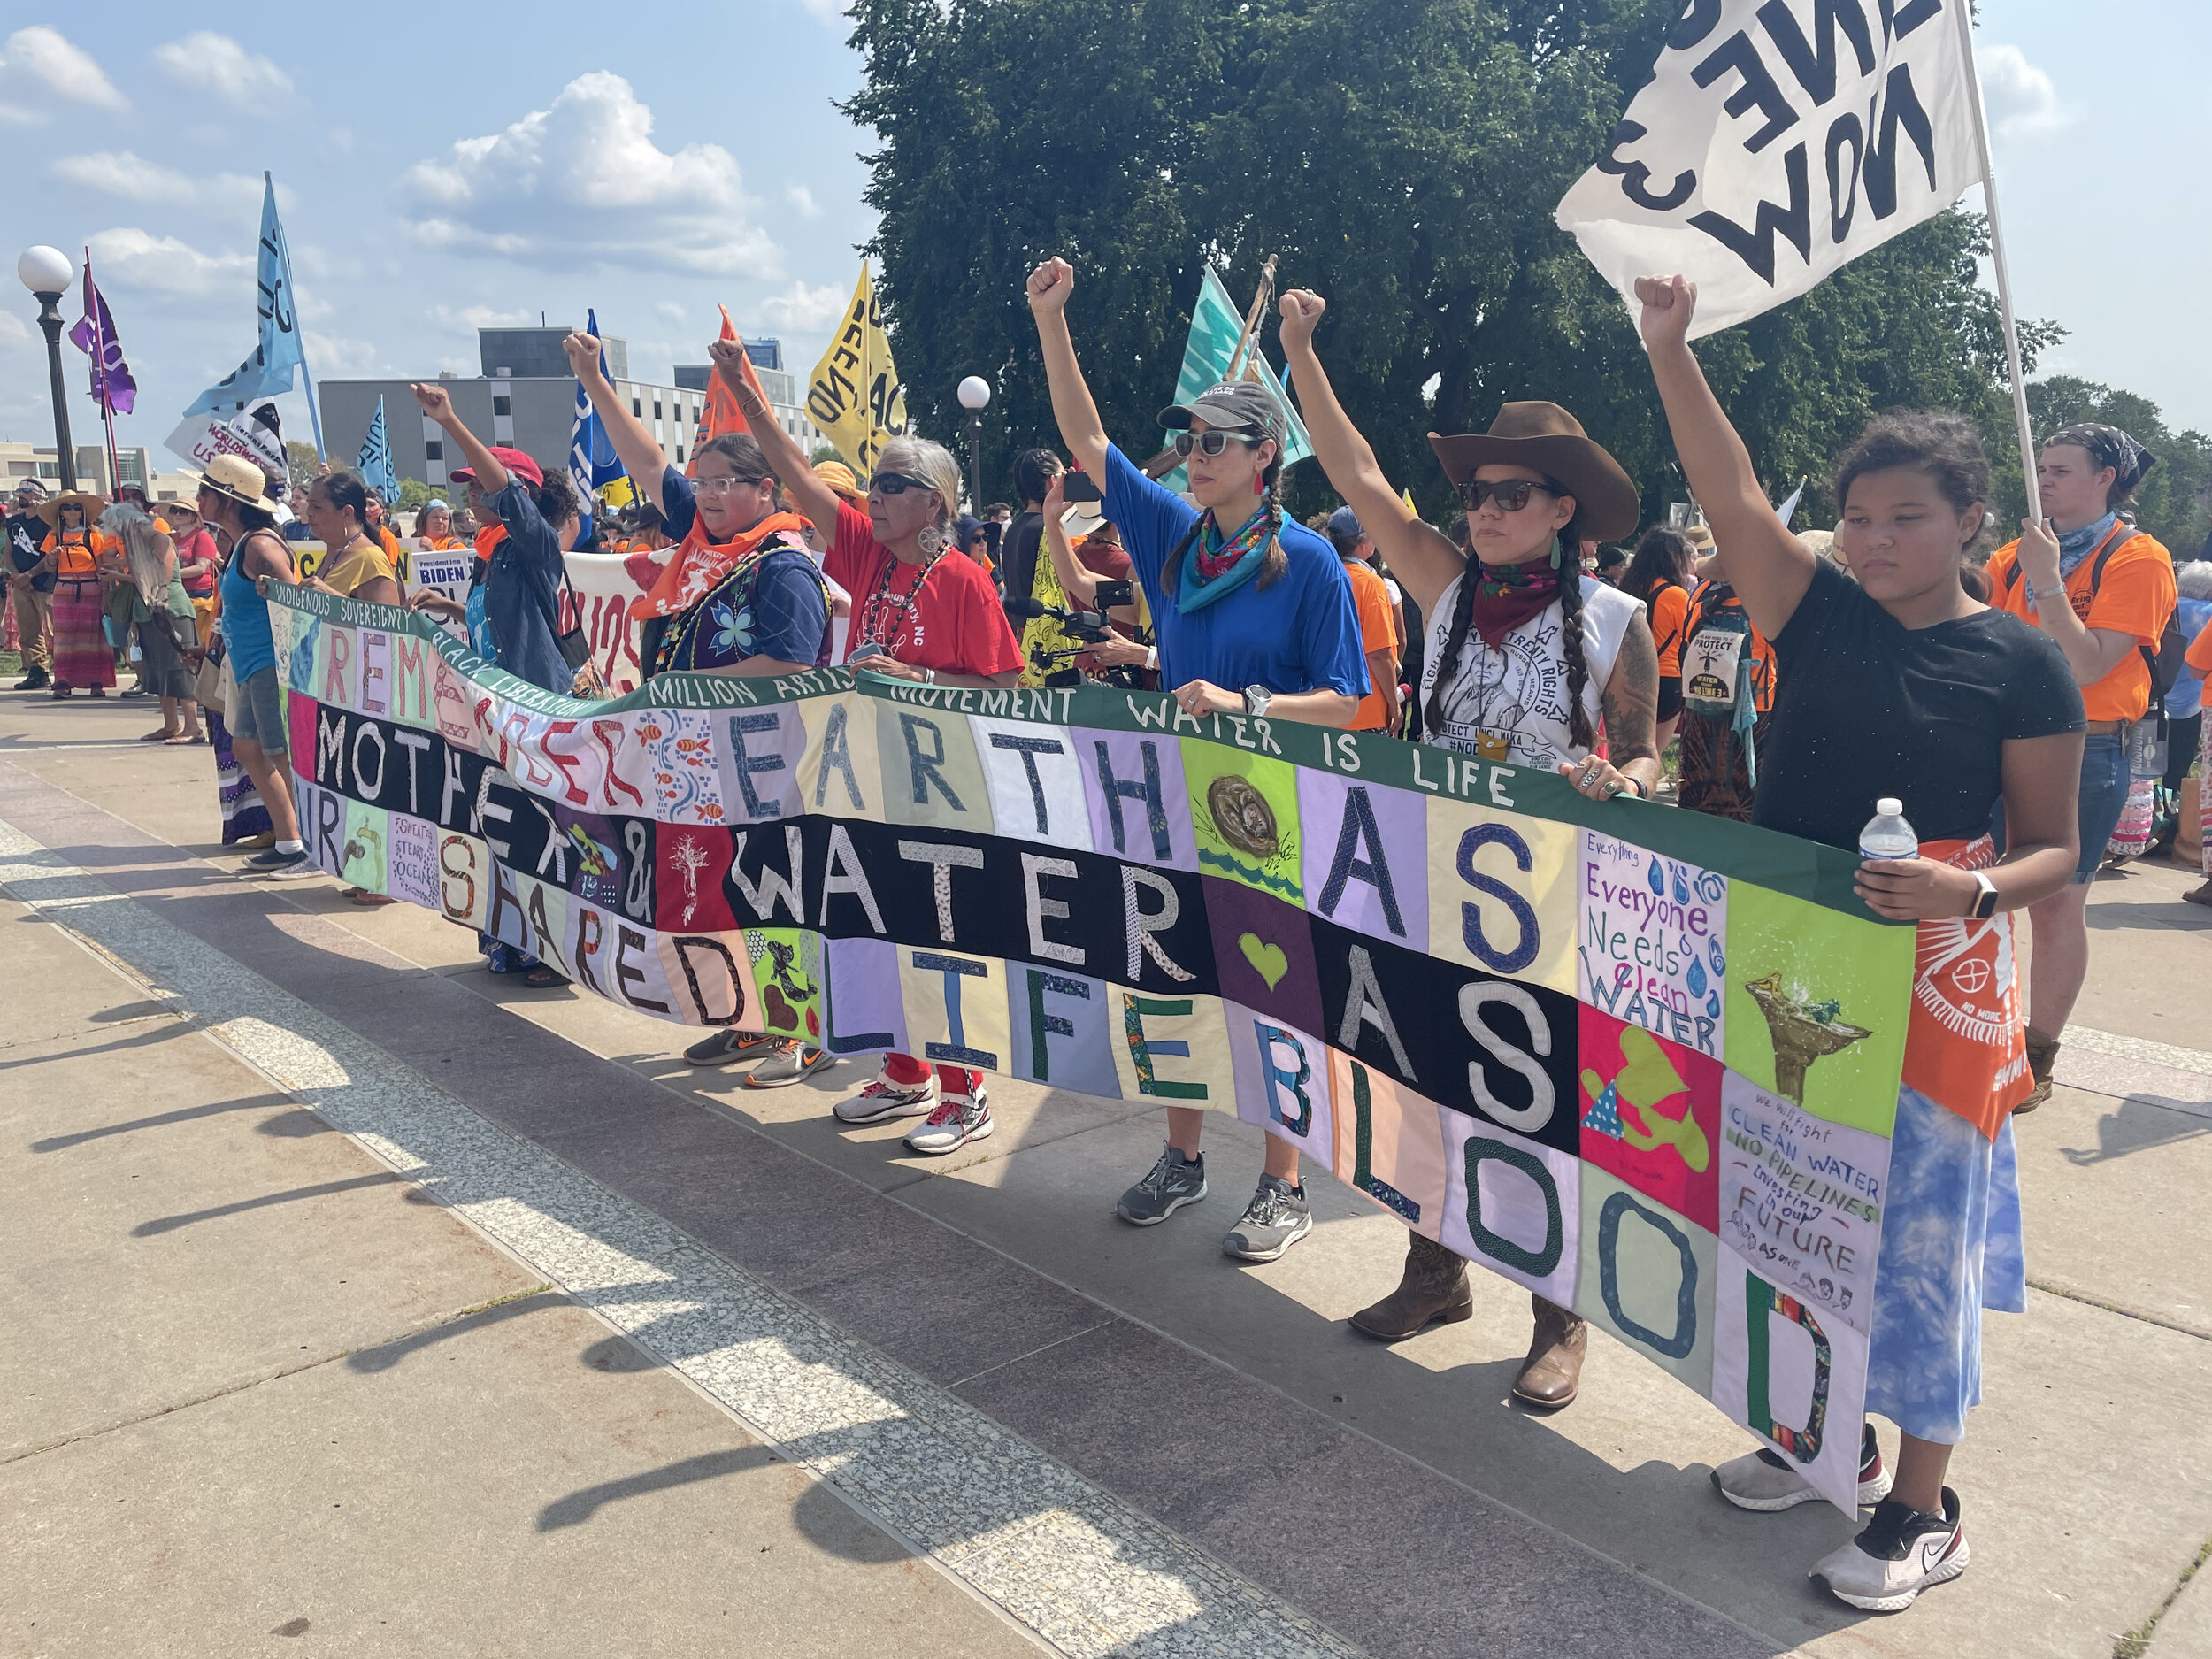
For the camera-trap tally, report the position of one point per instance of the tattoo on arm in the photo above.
(1631, 698)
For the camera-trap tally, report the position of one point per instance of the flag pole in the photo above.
(2026, 432)
(314, 415)
(100, 385)
(1252, 320)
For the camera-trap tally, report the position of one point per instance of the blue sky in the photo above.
(438, 170)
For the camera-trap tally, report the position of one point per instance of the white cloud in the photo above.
(209, 61)
(803, 199)
(670, 309)
(338, 357)
(468, 319)
(127, 257)
(2023, 102)
(804, 309)
(582, 184)
(121, 172)
(40, 68)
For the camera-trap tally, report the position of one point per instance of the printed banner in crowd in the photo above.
(1776, 141)
(605, 585)
(1642, 1062)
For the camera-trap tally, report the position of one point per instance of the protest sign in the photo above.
(1642, 1062)
(854, 396)
(604, 585)
(1777, 139)
(254, 433)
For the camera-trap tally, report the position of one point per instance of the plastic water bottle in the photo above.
(1886, 834)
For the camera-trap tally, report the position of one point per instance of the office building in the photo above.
(40, 461)
(783, 391)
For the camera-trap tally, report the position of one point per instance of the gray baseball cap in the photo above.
(1232, 406)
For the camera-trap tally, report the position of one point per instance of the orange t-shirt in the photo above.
(1377, 632)
(76, 553)
(1670, 612)
(2198, 655)
(2136, 597)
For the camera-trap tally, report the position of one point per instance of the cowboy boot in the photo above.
(1433, 1287)
(1552, 1374)
(2042, 1057)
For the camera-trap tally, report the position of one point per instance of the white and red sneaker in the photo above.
(881, 1098)
(958, 1119)
(1901, 1552)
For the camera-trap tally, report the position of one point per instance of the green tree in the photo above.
(413, 492)
(2174, 500)
(306, 466)
(1404, 158)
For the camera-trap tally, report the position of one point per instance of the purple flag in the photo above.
(112, 388)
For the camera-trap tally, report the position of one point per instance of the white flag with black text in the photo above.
(1775, 140)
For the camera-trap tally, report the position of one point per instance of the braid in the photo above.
(1571, 647)
(1455, 642)
(1274, 563)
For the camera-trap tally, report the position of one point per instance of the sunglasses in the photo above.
(895, 484)
(1511, 494)
(1208, 443)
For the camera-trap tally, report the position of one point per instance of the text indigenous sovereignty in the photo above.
(1641, 1061)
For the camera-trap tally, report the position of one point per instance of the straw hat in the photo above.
(1547, 439)
(236, 478)
(91, 505)
(840, 477)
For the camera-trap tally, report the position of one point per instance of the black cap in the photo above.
(1232, 406)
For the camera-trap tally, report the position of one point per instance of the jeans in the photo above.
(2105, 777)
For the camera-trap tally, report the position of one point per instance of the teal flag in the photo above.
(375, 463)
(268, 372)
(1215, 324)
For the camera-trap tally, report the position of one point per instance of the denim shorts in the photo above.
(2105, 777)
(256, 715)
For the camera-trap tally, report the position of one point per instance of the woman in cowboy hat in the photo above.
(1552, 652)
(71, 552)
(233, 504)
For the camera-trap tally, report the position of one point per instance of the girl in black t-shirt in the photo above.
(1901, 684)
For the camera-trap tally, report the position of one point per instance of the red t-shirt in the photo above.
(956, 624)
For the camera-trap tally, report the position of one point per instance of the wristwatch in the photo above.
(1984, 905)
(1255, 700)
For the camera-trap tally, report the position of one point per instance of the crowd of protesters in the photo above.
(2015, 705)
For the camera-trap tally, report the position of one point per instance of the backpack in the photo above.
(1716, 666)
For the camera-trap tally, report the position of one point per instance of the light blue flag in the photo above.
(268, 372)
(1215, 325)
(375, 465)
(591, 462)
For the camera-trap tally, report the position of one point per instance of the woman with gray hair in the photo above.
(922, 612)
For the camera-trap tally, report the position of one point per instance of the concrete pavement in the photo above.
(1176, 1446)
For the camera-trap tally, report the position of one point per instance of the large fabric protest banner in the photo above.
(604, 585)
(1779, 140)
(1640, 1062)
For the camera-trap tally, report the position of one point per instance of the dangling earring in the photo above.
(931, 541)
(1558, 544)
(1259, 483)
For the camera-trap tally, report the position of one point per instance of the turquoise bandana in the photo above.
(1214, 568)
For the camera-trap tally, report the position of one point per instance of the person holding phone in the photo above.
(1254, 617)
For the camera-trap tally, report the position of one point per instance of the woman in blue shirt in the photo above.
(1254, 616)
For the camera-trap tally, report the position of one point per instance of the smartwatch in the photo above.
(1255, 700)
(1984, 905)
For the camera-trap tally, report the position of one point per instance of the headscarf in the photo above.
(2108, 446)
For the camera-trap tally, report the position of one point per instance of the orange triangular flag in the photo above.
(719, 413)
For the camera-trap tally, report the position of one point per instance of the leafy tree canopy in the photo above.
(2174, 500)
(1404, 158)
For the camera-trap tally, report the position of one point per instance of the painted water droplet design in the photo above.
(1681, 886)
(1658, 879)
(1720, 962)
(1712, 1004)
(1695, 979)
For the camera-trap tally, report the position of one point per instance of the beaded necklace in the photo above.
(874, 618)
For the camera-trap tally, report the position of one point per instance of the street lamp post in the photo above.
(47, 273)
(975, 393)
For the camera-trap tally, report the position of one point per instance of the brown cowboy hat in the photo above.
(92, 506)
(1547, 439)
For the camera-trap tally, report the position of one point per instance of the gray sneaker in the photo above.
(1174, 1181)
(1275, 1219)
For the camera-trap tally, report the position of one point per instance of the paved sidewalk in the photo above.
(1129, 1442)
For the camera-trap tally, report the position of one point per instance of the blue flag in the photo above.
(592, 461)
(268, 373)
(375, 464)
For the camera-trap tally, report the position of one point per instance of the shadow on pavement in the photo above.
(2142, 1123)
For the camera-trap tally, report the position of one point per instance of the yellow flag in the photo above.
(854, 396)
